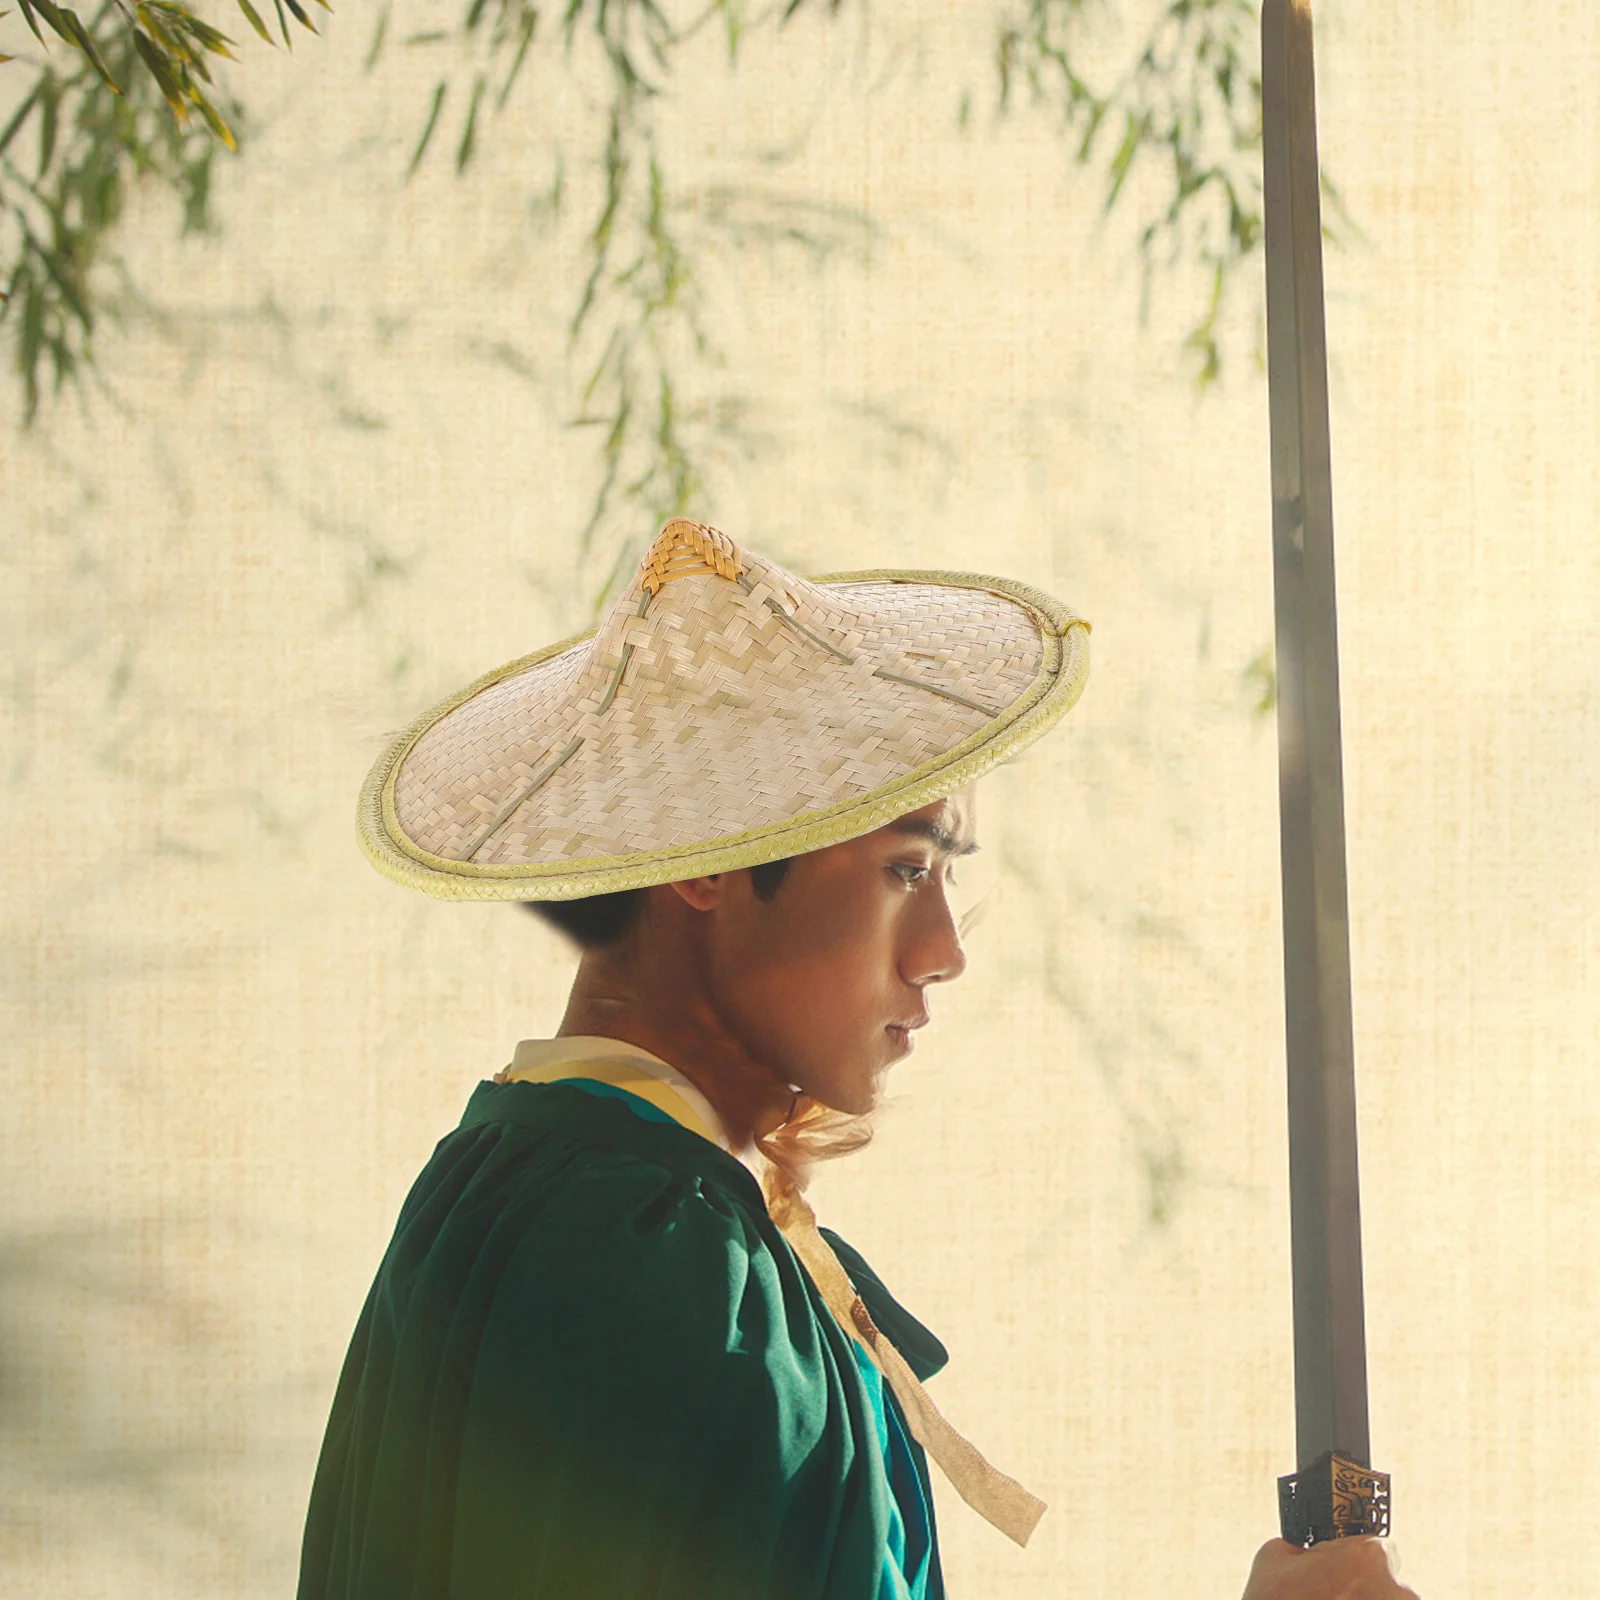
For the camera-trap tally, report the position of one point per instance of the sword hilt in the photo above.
(1333, 1498)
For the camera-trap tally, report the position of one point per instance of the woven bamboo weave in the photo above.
(726, 710)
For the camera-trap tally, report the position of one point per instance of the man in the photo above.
(609, 1353)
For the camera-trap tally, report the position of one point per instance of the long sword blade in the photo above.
(1329, 1334)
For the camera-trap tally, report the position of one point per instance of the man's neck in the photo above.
(747, 1096)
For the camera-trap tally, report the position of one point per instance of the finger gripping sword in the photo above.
(1335, 1493)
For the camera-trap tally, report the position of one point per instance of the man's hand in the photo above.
(1340, 1569)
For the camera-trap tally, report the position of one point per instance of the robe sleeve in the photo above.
(582, 1374)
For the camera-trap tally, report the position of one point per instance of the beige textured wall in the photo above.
(229, 1045)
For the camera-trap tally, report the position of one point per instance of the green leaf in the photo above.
(215, 122)
(253, 17)
(87, 45)
(208, 38)
(164, 37)
(33, 21)
(52, 266)
(47, 9)
(283, 25)
(1132, 136)
(161, 71)
(429, 126)
(570, 19)
(378, 35)
(178, 26)
(464, 150)
(32, 340)
(21, 115)
(299, 13)
(525, 31)
(196, 185)
(49, 119)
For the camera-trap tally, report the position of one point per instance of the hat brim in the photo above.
(1063, 671)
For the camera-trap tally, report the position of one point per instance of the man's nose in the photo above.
(936, 954)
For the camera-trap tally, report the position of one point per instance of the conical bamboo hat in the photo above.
(724, 714)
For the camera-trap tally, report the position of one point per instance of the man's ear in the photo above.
(701, 893)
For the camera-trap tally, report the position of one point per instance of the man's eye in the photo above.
(908, 873)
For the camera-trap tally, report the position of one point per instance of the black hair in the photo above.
(601, 919)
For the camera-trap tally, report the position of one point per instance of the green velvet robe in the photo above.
(591, 1368)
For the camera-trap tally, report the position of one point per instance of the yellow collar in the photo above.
(623, 1066)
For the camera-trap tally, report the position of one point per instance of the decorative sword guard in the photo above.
(1333, 1498)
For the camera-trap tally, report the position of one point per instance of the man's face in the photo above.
(826, 982)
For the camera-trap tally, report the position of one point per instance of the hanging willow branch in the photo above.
(130, 94)
(1187, 102)
(127, 95)
(1185, 105)
(640, 343)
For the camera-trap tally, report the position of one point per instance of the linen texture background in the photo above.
(329, 496)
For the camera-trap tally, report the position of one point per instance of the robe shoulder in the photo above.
(589, 1365)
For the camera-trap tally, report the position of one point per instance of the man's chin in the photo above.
(868, 1097)
(856, 1099)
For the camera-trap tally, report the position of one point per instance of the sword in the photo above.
(1334, 1494)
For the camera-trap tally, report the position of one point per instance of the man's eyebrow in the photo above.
(941, 838)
